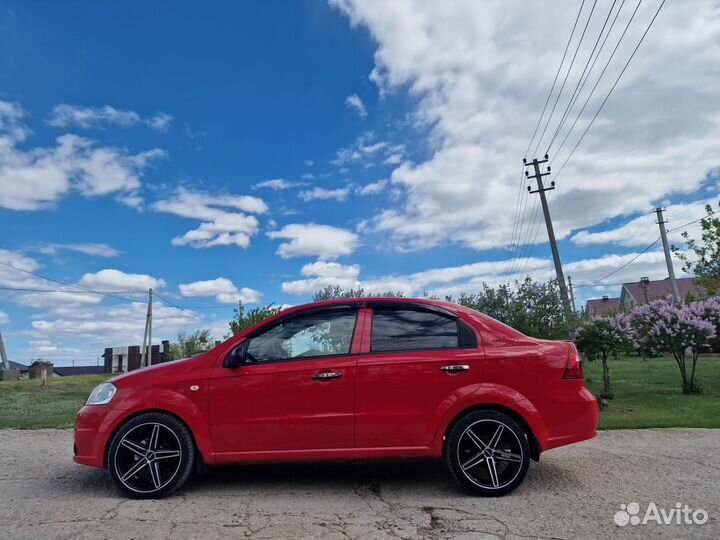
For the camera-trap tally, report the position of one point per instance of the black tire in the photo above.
(472, 454)
(151, 455)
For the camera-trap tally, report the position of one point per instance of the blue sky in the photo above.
(258, 151)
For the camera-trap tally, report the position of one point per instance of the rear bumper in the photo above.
(579, 423)
(93, 427)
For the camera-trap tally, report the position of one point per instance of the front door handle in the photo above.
(455, 368)
(327, 375)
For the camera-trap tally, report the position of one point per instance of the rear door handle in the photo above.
(326, 375)
(455, 368)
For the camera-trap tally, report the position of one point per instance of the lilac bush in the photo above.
(601, 337)
(664, 326)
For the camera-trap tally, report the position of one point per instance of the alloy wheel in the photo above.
(490, 454)
(148, 457)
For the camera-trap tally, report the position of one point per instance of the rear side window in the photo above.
(413, 330)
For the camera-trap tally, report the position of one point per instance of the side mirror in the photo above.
(235, 358)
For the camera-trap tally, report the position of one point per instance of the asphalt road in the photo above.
(574, 492)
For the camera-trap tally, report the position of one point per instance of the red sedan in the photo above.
(353, 379)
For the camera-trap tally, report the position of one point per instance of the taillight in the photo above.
(573, 368)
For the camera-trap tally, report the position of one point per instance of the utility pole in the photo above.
(541, 189)
(146, 352)
(3, 355)
(572, 294)
(668, 259)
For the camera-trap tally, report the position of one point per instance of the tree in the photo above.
(190, 344)
(336, 292)
(705, 263)
(665, 326)
(242, 320)
(532, 308)
(602, 337)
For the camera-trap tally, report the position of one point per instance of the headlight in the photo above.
(102, 394)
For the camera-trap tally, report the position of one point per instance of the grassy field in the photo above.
(647, 394)
(27, 405)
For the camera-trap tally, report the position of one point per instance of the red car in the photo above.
(352, 379)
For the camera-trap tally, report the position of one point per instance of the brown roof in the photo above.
(661, 288)
(601, 306)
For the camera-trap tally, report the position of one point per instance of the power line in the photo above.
(597, 82)
(583, 78)
(642, 38)
(642, 252)
(621, 267)
(173, 304)
(39, 276)
(557, 73)
(23, 289)
(518, 222)
(577, 49)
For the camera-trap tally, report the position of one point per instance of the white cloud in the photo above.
(354, 102)
(224, 291)
(322, 194)
(373, 188)
(4, 318)
(366, 150)
(36, 178)
(276, 184)
(119, 325)
(111, 279)
(469, 278)
(97, 250)
(321, 274)
(309, 163)
(478, 92)
(643, 230)
(65, 115)
(312, 240)
(219, 227)
(57, 299)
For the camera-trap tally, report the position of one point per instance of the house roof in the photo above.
(17, 365)
(602, 306)
(66, 371)
(661, 288)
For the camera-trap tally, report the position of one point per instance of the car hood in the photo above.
(151, 373)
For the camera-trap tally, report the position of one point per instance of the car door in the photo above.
(418, 358)
(295, 391)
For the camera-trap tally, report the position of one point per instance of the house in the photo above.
(641, 292)
(124, 359)
(602, 306)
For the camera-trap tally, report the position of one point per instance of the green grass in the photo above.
(28, 405)
(647, 393)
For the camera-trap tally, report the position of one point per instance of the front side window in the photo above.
(312, 335)
(412, 330)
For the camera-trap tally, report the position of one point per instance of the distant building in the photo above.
(602, 306)
(124, 359)
(22, 368)
(67, 371)
(641, 292)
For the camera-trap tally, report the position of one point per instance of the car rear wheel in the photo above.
(488, 453)
(151, 456)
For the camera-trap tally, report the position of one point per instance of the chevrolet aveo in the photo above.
(354, 379)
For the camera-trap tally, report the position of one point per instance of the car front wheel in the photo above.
(151, 456)
(488, 453)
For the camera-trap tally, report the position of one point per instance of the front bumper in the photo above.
(94, 426)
